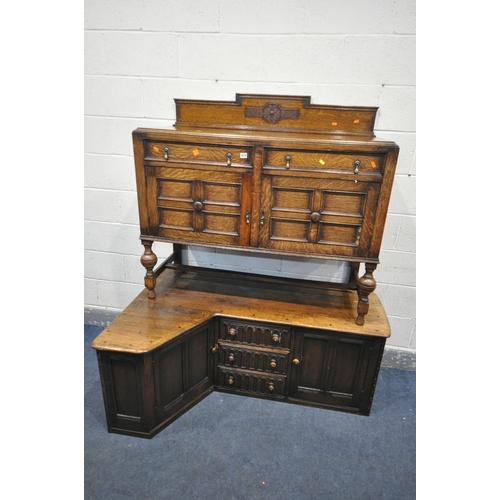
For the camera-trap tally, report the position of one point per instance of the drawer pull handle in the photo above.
(166, 151)
(296, 361)
(262, 218)
(356, 164)
(215, 348)
(275, 337)
(247, 217)
(288, 159)
(232, 332)
(271, 387)
(198, 206)
(273, 363)
(230, 380)
(231, 357)
(229, 156)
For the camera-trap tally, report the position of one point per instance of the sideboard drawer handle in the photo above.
(231, 357)
(232, 332)
(166, 150)
(273, 363)
(275, 337)
(198, 206)
(270, 387)
(356, 164)
(230, 380)
(229, 156)
(288, 159)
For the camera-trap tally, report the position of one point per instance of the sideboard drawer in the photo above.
(251, 382)
(351, 163)
(229, 156)
(254, 333)
(251, 358)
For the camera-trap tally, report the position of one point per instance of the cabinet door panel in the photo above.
(169, 364)
(314, 363)
(129, 408)
(338, 234)
(176, 218)
(347, 362)
(317, 216)
(184, 372)
(199, 206)
(296, 200)
(332, 369)
(290, 230)
(198, 358)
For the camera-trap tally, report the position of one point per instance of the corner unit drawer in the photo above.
(251, 382)
(169, 152)
(241, 332)
(350, 163)
(251, 358)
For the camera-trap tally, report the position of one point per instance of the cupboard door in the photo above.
(129, 407)
(199, 206)
(184, 373)
(317, 216)
(331, 370)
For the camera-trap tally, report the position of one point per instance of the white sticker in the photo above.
(243, 155)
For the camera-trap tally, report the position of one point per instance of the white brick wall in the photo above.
(141, 54)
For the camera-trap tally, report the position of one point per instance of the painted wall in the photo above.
(141, 54)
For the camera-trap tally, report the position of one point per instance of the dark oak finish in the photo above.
(267, 174)
(184, 372)
(318, 377)
(228, 333)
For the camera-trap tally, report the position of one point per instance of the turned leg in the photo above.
(148, 260)
(366, 285)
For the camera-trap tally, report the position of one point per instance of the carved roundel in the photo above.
(271, 112)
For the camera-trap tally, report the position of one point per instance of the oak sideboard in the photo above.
(264, 175)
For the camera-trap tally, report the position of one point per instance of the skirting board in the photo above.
(394, 357)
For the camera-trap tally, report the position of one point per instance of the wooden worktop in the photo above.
(185, 300)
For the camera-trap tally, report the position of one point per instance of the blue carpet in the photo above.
(232, 447)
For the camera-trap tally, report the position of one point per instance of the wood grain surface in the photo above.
(186, 300)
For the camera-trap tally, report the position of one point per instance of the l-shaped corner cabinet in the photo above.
(263, 175)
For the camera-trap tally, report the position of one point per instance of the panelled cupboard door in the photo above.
(184, 372)
(199, 206)
(129, 408)
(317, 215)
(329, 369)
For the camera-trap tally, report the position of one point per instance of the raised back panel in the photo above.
(255, 111)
